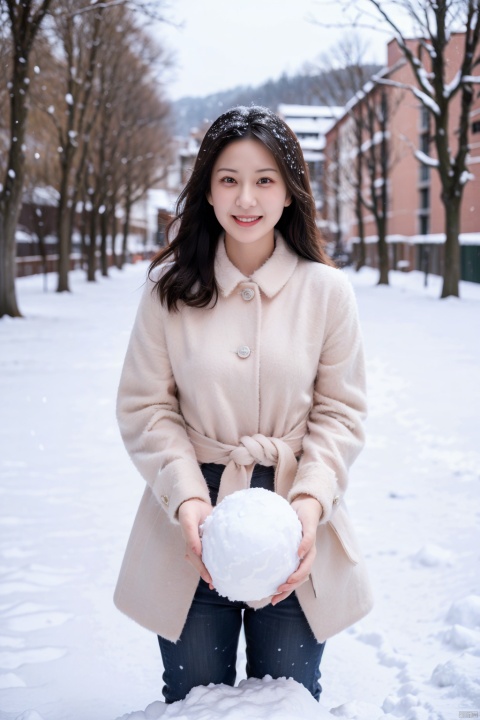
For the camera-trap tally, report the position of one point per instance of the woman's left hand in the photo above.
(309, 512)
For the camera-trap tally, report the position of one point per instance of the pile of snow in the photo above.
(251, 700)
(461, 676)
(466, 612)
(250, 544)
(431, 555)
(464, 633)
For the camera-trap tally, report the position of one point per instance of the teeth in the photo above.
(247, 220)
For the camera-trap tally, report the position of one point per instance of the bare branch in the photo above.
(148, 9)
(424, 98)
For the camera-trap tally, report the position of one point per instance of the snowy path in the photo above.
(68, 494)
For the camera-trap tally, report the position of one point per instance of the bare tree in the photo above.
(333, 186)
(357, 182)
(91, 40)
(23, 21)
(146, 160)
(144, 148)
(346, 74)
(79, 35)
(442, 80)
(368, 164)
(20, 24)
(365, 133)
(378, 164)
(129, 148)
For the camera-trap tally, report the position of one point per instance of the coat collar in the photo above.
(270, 277)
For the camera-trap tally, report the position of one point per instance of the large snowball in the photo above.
(250, 544)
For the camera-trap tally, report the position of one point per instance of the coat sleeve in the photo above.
(149, 418)
(335, 433)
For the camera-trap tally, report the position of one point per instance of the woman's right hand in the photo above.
(191, 514)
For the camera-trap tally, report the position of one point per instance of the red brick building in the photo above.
(415, 213)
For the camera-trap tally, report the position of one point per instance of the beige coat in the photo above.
(274, 371)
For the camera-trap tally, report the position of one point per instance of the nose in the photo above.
(246, 197)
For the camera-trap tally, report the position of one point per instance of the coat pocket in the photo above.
(343, 529)
(337, 554)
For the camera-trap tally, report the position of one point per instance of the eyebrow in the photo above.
(236, 171)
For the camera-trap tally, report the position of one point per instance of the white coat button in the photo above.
(243, 351)
(248, 294)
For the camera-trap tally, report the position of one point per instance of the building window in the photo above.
(424, 224)
(424, 173)
(425, 143)
(425, 198)
(476, 126)
(424, 119)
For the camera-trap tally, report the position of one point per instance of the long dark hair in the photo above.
(190, 278)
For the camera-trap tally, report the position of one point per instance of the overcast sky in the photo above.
(224, 43)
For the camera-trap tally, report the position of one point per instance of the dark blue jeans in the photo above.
(279, 641)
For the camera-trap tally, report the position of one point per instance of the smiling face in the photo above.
(248, 193)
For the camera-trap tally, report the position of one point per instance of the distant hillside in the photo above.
(189, 112)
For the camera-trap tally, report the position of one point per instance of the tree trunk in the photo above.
(382, 221)
(338, 250)
(103, 246)
(83, 236)
(358, 182)
(361, 234)
(40, 230)
(126, 230)
(361, 254)
(92, 247)
(382, 252)
(113, 230)
(451, 272)
(8, 260)
(63, 233)
(23, 23)
(11, 193)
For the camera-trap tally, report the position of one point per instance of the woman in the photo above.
(244, 368)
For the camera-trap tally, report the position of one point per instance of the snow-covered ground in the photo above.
(68, 493)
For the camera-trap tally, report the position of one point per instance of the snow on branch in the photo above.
(425, 80)
(424, 98)
(454, 85)
(465, 177)
(429, 48)
(471, 79)
(426, 159)
(375, 140)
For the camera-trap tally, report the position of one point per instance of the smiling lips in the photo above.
(247, 219)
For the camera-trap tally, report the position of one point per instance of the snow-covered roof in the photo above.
(310, 125)
(309, 111)
(312, 143)
(313, 156)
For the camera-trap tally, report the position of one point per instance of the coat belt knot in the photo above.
(240, 459)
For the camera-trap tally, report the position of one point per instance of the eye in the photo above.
(265, 181)
(228, 180)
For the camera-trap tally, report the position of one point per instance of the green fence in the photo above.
(470, 263)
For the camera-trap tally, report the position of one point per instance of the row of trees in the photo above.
(423, 30)
(82, 111)
(359, 160)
